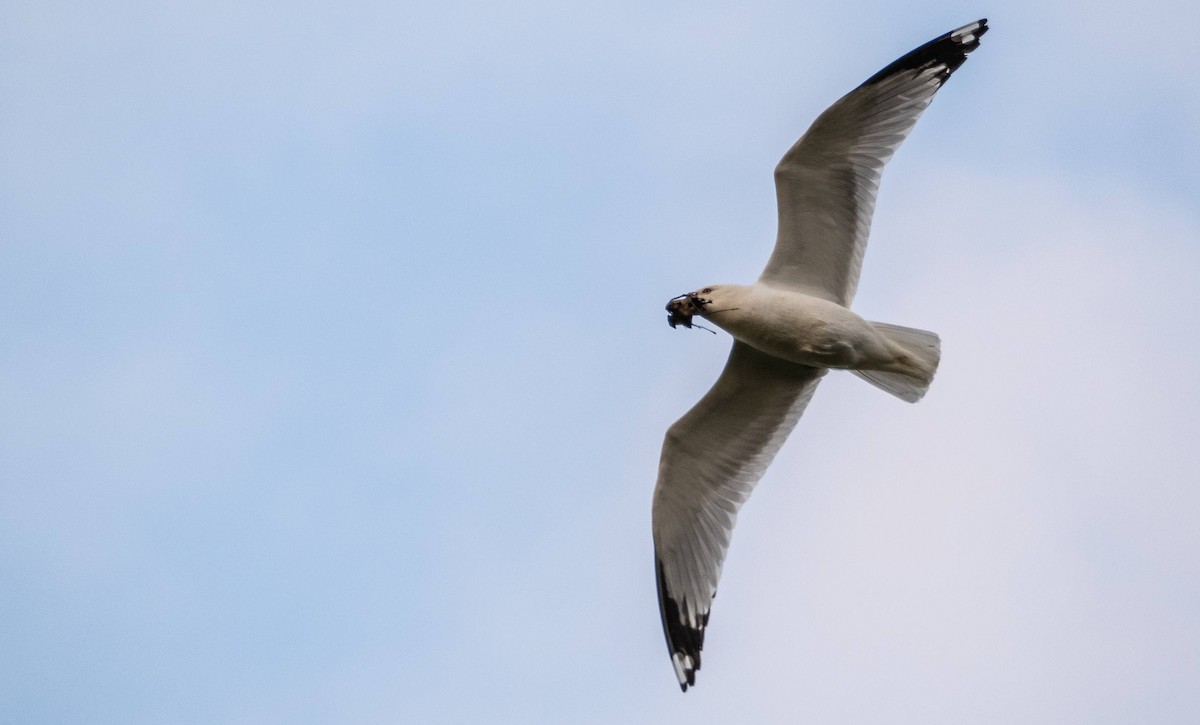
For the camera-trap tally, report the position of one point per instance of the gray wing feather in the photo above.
(711, 459)
(826, 184)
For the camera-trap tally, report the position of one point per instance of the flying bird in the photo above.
(789, 328)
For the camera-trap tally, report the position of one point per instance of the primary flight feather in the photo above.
(789, 329)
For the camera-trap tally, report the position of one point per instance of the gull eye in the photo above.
(706, 290)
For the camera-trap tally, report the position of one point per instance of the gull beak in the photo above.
(681, 310)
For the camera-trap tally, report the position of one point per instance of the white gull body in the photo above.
(813, 331)
(789, 328)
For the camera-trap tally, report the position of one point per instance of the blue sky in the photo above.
(333, 365)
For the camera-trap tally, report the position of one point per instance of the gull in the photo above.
(789, 328)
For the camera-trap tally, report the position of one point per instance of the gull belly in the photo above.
(807, 330)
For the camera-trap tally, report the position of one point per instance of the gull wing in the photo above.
(826, 183)
(711, 459)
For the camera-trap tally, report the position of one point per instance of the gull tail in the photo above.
(923, 352)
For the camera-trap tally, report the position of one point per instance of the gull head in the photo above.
(688, 305)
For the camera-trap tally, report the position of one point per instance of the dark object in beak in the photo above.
(683, 308)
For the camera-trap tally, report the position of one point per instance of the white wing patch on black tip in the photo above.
(969, 34)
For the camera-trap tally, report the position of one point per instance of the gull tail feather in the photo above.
(923, 350)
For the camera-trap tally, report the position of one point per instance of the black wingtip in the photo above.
(949, 50)
(684, 642)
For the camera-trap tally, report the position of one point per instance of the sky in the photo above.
(334, 366)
